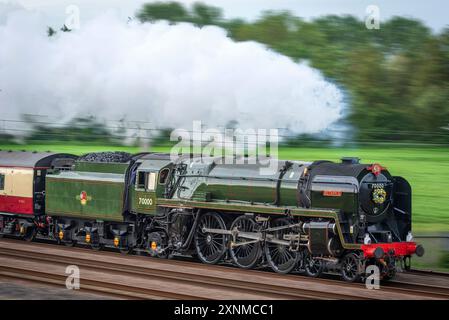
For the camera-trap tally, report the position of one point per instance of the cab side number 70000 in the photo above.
(146, 201)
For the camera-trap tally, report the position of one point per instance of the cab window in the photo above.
(2, 181)
(141, 180)
(163, 175)
(146, 181)
(151, 181)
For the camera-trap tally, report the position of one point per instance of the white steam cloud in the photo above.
(168, 75)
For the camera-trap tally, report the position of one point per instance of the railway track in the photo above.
(425, 288)
(137, 277)
(419, 282)
(428, 282)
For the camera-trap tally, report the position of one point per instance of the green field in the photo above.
(427, 169)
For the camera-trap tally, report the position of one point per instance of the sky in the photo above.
(434, 13)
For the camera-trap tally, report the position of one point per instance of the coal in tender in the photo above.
(117, 156)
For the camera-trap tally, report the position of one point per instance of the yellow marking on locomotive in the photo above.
(61, 235)
(153, 245)
(116, 241)
(87, 237)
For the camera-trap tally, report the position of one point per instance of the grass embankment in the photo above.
(427, 170)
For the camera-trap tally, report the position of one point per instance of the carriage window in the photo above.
(2, 181)
(152, 181)
(163, 176)
(141, 176)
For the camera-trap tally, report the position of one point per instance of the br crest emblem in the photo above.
(379, 195)
(83, 198)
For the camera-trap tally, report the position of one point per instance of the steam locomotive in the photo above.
(307, 216)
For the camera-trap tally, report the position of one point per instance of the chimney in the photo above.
(350, 160)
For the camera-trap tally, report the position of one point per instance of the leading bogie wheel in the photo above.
(245, 255)
(280, 257)
(351, 268)
(210, 247)
(387, 270)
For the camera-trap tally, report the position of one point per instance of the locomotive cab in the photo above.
(151, 177)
